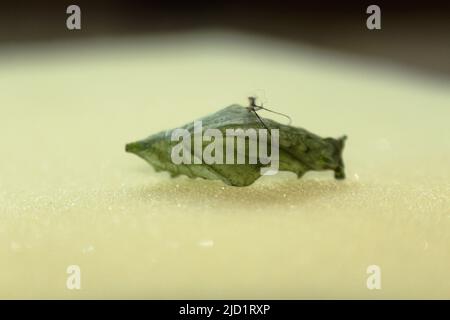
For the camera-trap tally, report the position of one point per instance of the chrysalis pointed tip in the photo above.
(132, 147)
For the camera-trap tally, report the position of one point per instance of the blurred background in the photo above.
(414, 34)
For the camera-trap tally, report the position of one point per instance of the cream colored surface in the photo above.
(69, 194)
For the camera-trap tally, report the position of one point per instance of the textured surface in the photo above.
(69, 194)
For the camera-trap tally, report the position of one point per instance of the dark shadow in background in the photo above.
(414, 34)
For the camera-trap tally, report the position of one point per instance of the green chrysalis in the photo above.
(298, 150)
